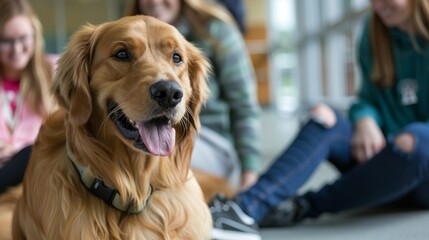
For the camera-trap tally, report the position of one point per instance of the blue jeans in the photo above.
(388, 177)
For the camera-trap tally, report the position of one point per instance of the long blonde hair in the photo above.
(38, 72)
(198, 13)
(383, 72)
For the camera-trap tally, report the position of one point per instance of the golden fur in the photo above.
(7, 204)
(55, 204)
(212, 184)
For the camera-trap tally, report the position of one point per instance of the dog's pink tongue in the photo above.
(158, 138)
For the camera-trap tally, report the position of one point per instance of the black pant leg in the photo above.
(12, 173)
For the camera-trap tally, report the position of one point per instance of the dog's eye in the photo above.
(177, 59)
(122, 55)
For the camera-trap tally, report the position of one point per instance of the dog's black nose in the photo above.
(166, 93)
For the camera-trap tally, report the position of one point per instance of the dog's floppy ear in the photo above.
(71, 82)
(199, 68)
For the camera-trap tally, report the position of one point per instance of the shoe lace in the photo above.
(218, 204)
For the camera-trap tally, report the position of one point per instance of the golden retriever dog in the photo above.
(113, 161)
(7, 204)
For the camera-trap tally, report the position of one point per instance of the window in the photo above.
(314, 54)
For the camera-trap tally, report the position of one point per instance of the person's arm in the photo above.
(364, 106)
(238, 84)
(368, 138)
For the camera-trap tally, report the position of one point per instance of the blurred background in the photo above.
(303, 51)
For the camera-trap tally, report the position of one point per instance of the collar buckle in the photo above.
(99, 189)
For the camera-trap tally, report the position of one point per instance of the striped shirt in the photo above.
(232, 109)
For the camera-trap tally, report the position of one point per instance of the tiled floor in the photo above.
(278, 132)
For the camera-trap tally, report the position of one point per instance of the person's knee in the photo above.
(324, 114)
(405, 142)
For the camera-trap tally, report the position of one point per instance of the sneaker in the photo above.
(286, 213)
(230, 222)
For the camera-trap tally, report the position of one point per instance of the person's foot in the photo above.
(230, 222)
(286, 213)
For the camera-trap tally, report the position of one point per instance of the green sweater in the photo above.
(405, 102)
(232, 109)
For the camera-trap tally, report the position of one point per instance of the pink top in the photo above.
(11, 89)
(19, 125)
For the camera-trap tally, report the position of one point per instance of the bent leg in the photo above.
(390, 175)
(296, 164)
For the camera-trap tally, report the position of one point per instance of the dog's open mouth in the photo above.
(155, 136)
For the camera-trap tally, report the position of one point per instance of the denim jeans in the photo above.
(389, 176)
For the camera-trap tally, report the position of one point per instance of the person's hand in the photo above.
(367, 141)
(6, 152)
(248, 178)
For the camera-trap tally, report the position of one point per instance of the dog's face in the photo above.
(137, 74)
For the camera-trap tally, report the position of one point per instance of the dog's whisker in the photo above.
(104, 122)
(190, 114)
(102, 125)
(183, 127)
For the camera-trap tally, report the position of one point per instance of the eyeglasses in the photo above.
(7, 44)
